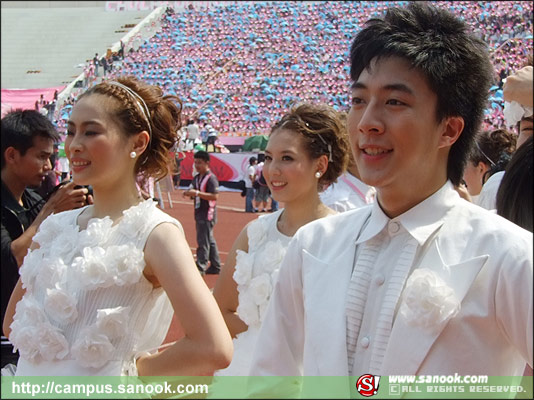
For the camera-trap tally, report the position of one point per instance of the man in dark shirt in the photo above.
(27, 143)
(96, 63)
(204, 190)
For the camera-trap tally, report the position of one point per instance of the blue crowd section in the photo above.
(240, 66)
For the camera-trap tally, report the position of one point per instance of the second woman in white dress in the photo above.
(307, 150)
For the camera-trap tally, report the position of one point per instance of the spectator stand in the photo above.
(240, 65)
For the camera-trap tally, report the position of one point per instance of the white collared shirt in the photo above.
(481, 258)
(488, 195)
(348, 193)
(387, 251)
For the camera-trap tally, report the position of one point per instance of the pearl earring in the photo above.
(318, 174)
(133, 154)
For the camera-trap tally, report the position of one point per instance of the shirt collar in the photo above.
(420, 221)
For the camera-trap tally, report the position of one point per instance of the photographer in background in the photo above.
(27, 144)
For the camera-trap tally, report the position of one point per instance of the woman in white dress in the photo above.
(307, 150)
(100, 284)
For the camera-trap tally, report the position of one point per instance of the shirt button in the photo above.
(380, 279)
(365, 342)
(393, 227)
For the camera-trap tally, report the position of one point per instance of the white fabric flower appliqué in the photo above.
(30, 311)
(49, 229)
(247, 309)
(113, 322)
(92, 267)
(92, 349)
(52, 343)
(65, 244)
(428, 301)
(271, 257)
(243, 270)
(60, 305)
(33, 335)
(97, 232)
(260, 288)
(127, 265)
(31, 266)
(134, 218)
(52, 272)
(256, 233)
(24, 339)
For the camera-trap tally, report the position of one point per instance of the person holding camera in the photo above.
(27, 144)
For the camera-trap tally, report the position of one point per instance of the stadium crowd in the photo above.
(241, 65)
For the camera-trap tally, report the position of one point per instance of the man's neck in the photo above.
(202, 174)
(14, 185)
(397, 202)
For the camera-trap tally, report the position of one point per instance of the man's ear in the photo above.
(452, 129)
(11, 155)
(140, 142)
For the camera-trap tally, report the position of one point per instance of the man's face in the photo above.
(525, 130)
(32, 167)
(394, 134)
(201, 166)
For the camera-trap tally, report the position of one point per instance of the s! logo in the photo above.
(367, 385)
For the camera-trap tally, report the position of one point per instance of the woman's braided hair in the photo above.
(163, 123)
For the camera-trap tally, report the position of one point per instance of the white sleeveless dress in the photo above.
(88, 309)
(255, 273)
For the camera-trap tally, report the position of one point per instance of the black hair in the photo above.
(515, 195)
(19, 127)
(202, 155)
(443, 48)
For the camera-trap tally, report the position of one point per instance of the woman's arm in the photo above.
(16, 296)
(207, 345)
(225, 291)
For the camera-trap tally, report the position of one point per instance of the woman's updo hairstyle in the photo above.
(143, 107)
(494, 148)
(324, 133)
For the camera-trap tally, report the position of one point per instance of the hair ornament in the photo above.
(328, 145)
(140, 103)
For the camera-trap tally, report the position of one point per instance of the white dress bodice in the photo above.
(256, 272)
(88, 308)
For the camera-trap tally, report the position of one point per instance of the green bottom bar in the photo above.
(415, 387)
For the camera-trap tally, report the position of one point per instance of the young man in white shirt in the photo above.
(422, 281)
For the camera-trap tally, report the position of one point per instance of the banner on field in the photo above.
(227, 167)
